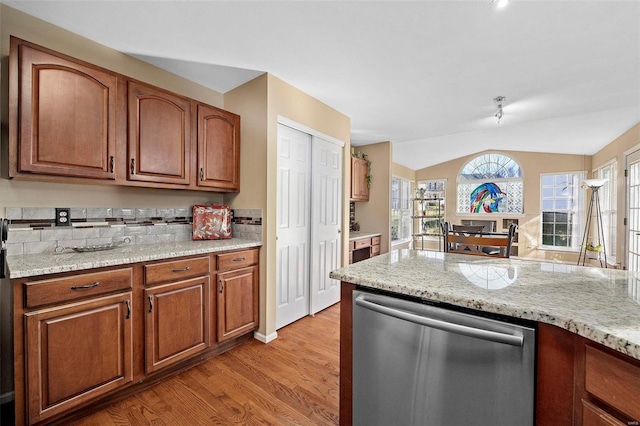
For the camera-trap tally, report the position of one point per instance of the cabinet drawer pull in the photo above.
(133, 166)
(84, 287)
(150, 304)
(221, 286)
(186, 268)
(128, 308)
(239, 259)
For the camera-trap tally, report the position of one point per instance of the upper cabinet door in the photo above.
(218, 149)
(67, 116)
(159, 142)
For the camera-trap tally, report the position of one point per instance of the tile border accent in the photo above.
(32, 230)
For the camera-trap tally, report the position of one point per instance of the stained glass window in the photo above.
(490, 183)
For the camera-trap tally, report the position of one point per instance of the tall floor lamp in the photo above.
(594, 203)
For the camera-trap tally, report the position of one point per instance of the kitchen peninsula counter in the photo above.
(588, 324)
(28, 265)
(602, 305)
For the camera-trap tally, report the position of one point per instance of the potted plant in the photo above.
(593, 251)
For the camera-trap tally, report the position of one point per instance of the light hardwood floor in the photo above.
(290, 381)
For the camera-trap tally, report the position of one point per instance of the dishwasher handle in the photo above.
(478, 333)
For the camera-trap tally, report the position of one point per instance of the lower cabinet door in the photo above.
(237, 302)
(176, 321)
(75, 353)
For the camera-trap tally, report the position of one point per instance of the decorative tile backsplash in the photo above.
(32, 230)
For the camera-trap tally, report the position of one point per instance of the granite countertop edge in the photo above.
(552, 315)
(30, 265)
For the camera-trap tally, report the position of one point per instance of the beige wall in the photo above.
(616, 151)
(260, 103)
(532, 164)
(375, 215)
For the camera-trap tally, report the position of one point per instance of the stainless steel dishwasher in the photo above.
(417, 364)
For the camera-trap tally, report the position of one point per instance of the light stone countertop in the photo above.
(27, 265)
(359, 235)
(602, 305)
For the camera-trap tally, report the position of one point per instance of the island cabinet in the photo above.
(582, 382)
(87, 338)
(66, 115)
(237, 293)
(218, 149)
(359, 182)
(71, 121)
(159, 142)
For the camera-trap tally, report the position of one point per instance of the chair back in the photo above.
(471, 240)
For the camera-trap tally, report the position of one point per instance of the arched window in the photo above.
(490, 183)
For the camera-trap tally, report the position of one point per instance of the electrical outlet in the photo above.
(63, 216)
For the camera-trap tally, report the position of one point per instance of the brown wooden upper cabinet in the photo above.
(159, 143)
(218, 148)
(359, 184)
(66, 120)
(70, 120)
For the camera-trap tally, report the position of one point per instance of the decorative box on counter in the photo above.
(211, 222)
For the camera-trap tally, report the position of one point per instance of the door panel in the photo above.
(293, 201)
(67, 117)
(185, 303)
(218, 149)
(326, 223)
(77, 352)
(159, 135)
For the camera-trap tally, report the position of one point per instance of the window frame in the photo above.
(403, 211)
(579, 210)
(504, 181)
(443, 196)
(609, 200)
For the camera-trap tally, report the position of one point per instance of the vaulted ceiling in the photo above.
(421, 74)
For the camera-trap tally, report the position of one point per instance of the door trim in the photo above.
(308, 130)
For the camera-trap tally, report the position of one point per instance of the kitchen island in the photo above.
(585, 316)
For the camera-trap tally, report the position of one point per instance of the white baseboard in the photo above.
(265, 339)
(6, 397)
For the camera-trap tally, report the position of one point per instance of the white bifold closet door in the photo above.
(309, 217)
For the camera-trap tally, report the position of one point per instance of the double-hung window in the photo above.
(401, 190)
(561, 210)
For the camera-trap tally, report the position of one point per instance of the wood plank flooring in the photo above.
(290, 381)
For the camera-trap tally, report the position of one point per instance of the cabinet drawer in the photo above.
(238, 259)
(366, 242)
(60, 290)
(375, 250)
(375, 241)
(176, 270)
(594, 416)
(614, 381)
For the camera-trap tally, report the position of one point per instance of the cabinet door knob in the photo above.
(201, 174)
(221, 286)
(111, 163)
(150, 304)
(128, 308)
(133, 166)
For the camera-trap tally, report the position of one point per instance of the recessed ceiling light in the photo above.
(500, 3)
